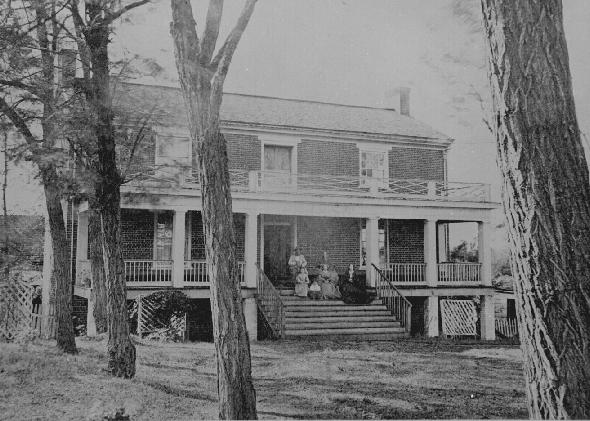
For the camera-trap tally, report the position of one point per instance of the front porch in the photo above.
(165, 249)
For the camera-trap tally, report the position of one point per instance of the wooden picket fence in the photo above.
(507, 327)
(37, 323)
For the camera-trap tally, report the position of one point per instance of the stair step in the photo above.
(339, 319)
(288, 299)
(346, 331)
(389, 337)
(312, 308)
(340, 313)
(341, 325)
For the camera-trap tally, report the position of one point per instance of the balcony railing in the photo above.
(195, 273)
(405, 273)
(459, 273)
(148, 273)
(331, 185)
(158, 273)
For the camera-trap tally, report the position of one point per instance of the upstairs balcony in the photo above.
(328, 185)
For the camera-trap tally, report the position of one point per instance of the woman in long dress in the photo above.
(328, 283)
(296, 263)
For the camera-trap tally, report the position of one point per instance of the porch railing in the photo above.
(405, 273)
(459, 273)
(325, 184)
(148, 272)
(195, 272)
(398, 305)
(270, 304)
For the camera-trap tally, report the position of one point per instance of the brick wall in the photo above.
(339, 237)
(137, 234)
(406, 241)
(198, 236)
(416, 163)
(243, 152)
(323, 157)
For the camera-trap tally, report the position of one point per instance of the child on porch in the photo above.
(315, 291)
(301, 283)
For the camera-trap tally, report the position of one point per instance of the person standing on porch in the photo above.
(301, 283)
(296, 263)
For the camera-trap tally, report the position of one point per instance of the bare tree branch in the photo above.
(229, 47)
(211, 31)
(18, 122)
(110, 17)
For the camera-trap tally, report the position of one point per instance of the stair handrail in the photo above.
(396, 302)
(270, 304)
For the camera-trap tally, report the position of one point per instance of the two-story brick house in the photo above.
(353, 185)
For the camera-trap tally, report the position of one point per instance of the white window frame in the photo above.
(374, 148)
(280, 140)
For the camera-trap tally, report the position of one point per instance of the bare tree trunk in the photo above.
(5, 246)
(61, 273)
(97, 268)
(546, 195)
(203, 95)
(120, 349)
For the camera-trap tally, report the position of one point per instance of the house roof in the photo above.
(166, 106)
(25, 237)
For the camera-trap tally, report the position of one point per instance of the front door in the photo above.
(277, 249)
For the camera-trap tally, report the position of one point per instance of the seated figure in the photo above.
(301, 283)
(353, 292)
(329, 281)
(315, 291)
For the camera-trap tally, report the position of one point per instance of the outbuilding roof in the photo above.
(166, 106)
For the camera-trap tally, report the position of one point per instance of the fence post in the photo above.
(139, 317)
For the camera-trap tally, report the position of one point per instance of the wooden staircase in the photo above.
(334, 318)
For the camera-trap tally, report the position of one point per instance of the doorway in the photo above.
(277, 249)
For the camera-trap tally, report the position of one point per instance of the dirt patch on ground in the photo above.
(293, 380)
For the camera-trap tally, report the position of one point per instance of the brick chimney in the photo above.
(67, 67)
(404, 101)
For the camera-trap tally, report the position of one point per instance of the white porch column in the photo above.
(178, 235)
(90, 321)
(251, 316)
(81, 244)
(372, 230)
(487, 317)
(250, 249)
(46, 280)
(484, 252)
(430, 252)
(431, 316)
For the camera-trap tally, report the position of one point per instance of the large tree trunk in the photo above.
(546, 195)
(97, 268)
(237, 397)
(61, 273)
(120, 349)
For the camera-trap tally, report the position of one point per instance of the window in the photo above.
(277, 166)
(163, 236)
(170, 149)
(373, 167)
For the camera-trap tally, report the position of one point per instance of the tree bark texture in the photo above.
(120, 349)
(97, 268)
(61, 272)
(237, 397)
(546, 196)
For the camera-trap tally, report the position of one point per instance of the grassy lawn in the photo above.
(293, 380)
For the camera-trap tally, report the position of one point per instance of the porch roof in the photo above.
(165, 106)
